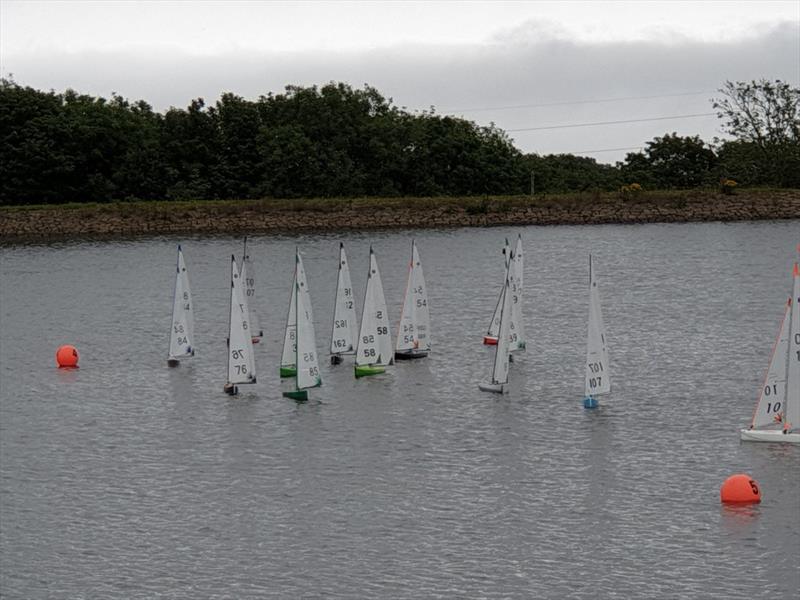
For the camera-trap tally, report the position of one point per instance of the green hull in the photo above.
(365, 371)
(299, 395)
(288, 372)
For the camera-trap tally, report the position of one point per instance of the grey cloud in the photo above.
(522, 68)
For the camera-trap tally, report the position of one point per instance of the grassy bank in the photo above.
(265, 215)
(473, 203)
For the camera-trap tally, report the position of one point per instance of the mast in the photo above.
(501, 350)
(366, 305)
(336, 298)
(230, 325)
(792, 415)
(174, 303)
(296, 321)
(407, 312)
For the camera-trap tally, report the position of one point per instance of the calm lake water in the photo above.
(127, 479)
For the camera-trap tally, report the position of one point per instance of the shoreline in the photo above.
(21, 223)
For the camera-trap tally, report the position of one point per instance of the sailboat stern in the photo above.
(298, 395)
(497, 388)
(769, 435)
(173, 362)
(590, 402)
(490, 340)
(367, 370)
(230, 389)
(411, 354)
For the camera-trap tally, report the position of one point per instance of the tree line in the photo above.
(336, 141)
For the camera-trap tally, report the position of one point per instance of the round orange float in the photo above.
(67, 356)
(740, 488)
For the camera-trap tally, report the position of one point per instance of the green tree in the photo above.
(191, 151)
(765, 117)
(563, 173)
(672, 161)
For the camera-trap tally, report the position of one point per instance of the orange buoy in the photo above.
(740, 488)
(67, 356)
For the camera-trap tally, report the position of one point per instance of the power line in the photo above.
(568, 102)
(604, 150)
(571, 125)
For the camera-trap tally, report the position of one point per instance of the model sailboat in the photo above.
(289, 355)
(345, 324)
(777, 414)
(308, 375)
(598, 380)
(181, 337)
(374, 350)
(490, 339)
(501, 354)
(413, 337)
(248, 276)
(241, 365)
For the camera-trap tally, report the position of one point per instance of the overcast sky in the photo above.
(523, 65)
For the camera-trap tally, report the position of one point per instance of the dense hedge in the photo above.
(332, 141)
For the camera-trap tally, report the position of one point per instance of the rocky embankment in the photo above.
(328, 215)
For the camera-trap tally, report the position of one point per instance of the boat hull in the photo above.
(490, 340)
(769, 435)
(299, 395)
(230, 389)
(173, 362)
(366, 371)
(497, 388)
(288, 372)
(410, 354)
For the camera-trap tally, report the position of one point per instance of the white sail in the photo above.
(598, 375)
(414, 331)
(181, 339)
(308, 374)
(248, 277)
(494, 324)
(241, 365)
(289, 353)
(345, 323)
(516, 330)
(381, 317)
(792, 416)
(772, 397)
(501, 356)
(374, 339)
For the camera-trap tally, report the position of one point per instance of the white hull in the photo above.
(497, 388)
(769, 435)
